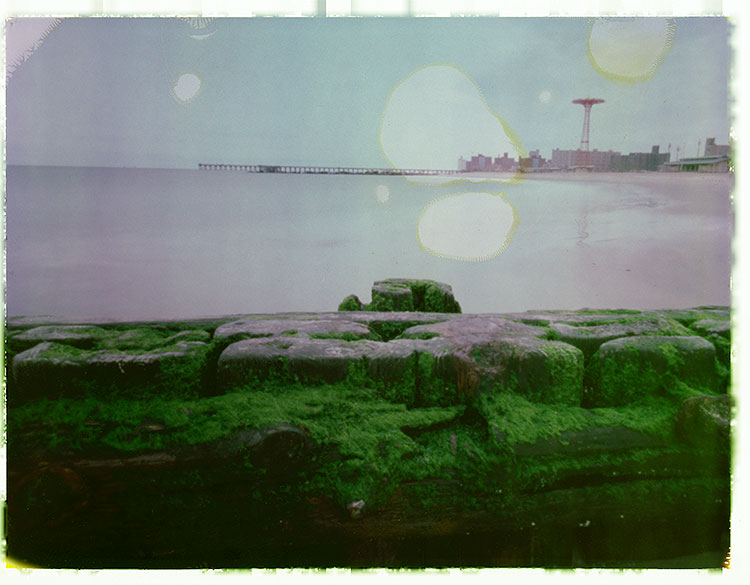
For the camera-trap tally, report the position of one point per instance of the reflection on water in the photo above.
(135, 243)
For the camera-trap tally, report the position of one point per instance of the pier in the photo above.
(294, 169)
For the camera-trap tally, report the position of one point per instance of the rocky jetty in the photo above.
(400, 433)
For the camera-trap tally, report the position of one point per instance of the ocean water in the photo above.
(162, 244)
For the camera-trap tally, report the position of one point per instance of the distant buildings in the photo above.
(568, 159)
(716, 159)
(532, 162)
(713, 149)
(699, 164)
(504, 164)
(481, 163)
(639, 161)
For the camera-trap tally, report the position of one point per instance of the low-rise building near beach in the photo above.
(700, 164)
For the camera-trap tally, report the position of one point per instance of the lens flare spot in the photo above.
(436, 115)
(467, 226)
(186, 87)
(382, 194)
(545, 96)
(629, 50)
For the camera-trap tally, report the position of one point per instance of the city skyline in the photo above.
(167, 92)
(673, 150)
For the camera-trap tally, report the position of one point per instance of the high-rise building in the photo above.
(599, 160)
(532, 162)
(713, 149)
(640, 161)
(503, 164)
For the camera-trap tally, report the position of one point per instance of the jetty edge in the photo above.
(372, 438)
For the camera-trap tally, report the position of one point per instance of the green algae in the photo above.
(549, 372)
(342, 335)
(389, 330)
(385, 434)
(520, 420)
(380, 443)
(365, 429)
(419, 335)
(182, 369)
(350, 303)
(431, 298)
(628, 376)
(416, 295)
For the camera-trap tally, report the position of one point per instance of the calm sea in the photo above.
(153, 243)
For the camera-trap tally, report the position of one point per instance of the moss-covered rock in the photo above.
(403, 294)
(52, 370)
(588, 338)
(705, 422)
(713, 327)
(415, 372)
(367, 425)
(627, 369)
(467, 330)
(392, 295)
(719, 333)
(543, 371)
(267, 327)
(350, 303)
(81, 336)
(290, 357)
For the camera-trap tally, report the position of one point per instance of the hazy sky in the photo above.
(170, 93)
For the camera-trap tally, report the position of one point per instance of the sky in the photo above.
(364, 92)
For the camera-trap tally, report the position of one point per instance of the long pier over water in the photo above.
(291, 169)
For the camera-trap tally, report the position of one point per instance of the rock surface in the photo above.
(631, 367)
(370, 438)
(705, 421)
(403, 294)
(588, 338)
(52, 370)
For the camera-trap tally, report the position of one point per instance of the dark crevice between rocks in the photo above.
(209, 381)
(466, 416)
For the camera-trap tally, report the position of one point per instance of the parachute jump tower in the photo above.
(584, 156)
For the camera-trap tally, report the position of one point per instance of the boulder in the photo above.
(588, 338)
(403, 294)
(468, 330)
(351, 303)
(413, 371)
(705, 422)
(406, 318)
(690, 316)
(713, 327)
(582, 317)
(540, 370)
(417, 372)
(82, 336)
(392, 295)
(52, 370)
(630, 368)
(255, 327)
(326, 360)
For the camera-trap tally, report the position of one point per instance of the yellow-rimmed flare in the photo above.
(629, 50)
(436, 115)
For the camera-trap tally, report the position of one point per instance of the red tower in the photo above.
(584, 156)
